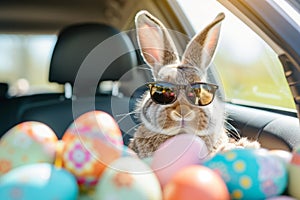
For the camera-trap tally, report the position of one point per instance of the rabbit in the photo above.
(163, 118)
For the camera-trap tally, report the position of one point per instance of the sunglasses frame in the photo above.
(178, 87)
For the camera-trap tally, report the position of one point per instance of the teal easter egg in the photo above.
(27, 143)
(250, 174)
(38, 181)
(128, 178)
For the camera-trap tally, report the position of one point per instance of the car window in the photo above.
(24, 63)
(248, 68)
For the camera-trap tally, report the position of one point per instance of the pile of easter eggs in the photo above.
(91, 162)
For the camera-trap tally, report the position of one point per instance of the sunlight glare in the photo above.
(289, 10)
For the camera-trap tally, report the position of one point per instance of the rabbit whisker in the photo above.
(232, 131)
(231, 126)
(132, 128)
(228, 118)
(144, 68)
(123, 116)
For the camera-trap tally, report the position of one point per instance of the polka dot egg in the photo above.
(250, 174)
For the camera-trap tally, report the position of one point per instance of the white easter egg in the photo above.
(128, 178)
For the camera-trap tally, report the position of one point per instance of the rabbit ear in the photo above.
(157, 46)
(201, 48)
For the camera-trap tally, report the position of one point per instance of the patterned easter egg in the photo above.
(128, 178)
(38, 181)
(294, 174)
(92, 142)
(281, 198)
(284, 156)
(250, 174)
(296, 156)
(25, 143)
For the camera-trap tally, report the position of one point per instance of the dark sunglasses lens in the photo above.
(162, 93)
(201, 94)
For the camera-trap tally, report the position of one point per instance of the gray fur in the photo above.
(161, 122)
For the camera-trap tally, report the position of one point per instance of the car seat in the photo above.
(3, 91)
(84, 56)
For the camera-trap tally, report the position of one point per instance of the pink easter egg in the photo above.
(176, 153)
(100, 125)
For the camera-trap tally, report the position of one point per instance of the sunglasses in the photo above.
(199, 94)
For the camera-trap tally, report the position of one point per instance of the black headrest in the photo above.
(75, 42)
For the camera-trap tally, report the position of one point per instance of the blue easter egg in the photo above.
(250, 174)
(38, 181)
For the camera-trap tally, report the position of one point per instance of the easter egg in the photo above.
(249, 173)
(97, 124)
(296, 156)
(38, 181)
(281, 198)
(148, 160)
(125, 152)
(128, 178)
(196, 182)
(176, 153)
(25, 143)
(294, 174)
(284, 156)
(91, 143)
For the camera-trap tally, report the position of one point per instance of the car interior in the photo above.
(80, 27)
(87, 58)
(65, 63)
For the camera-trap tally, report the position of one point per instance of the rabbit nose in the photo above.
(182, 112)
(183, 109)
